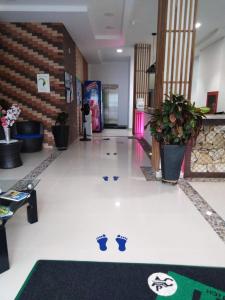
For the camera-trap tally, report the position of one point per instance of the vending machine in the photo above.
(93, 96)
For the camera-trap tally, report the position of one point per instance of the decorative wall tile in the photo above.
(26, 50)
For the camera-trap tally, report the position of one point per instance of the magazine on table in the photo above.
(5, 211)
(13, 195)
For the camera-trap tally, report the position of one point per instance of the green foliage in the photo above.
(176, 121)
(62, 118)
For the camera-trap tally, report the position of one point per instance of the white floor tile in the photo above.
(213, 193)
(76, 205)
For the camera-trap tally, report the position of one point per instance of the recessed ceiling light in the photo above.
(119, 50)
(198, 25)
(109, 27)
(108, 14)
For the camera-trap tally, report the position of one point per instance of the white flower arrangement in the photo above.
(10, 116)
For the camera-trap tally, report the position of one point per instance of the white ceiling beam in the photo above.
(43, 8)
(127, 14)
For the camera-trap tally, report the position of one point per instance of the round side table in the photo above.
(10, 154)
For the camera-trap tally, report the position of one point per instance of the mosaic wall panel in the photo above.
(208, 155)
(26, 50)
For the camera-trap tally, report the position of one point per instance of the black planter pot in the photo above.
(61, 136)
(171, 160)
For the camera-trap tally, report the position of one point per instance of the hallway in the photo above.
(76, 206)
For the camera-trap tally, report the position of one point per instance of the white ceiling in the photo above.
(211, 14)
(97, 26)
(100, 26)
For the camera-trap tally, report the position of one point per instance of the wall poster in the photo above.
(43, 83)
(69, 87)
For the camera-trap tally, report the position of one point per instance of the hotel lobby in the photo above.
(107, 218)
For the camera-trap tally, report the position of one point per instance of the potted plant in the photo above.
(61, 131)
(8, 118)
(173, 125)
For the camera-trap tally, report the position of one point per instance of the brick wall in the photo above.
(27, 49)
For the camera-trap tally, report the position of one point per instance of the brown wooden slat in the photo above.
(174, 44)
(169, 44)
(187, 64)
(178, 62)
(159, 76)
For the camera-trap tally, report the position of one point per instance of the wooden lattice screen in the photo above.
(142, 58)
(179, 46)
(175, 53)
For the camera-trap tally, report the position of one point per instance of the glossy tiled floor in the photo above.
(214, 194)
(30, 161)
(76, 205)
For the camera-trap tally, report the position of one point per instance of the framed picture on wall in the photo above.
(69, 87)
(212, 100)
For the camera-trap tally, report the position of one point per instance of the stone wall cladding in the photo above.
(26, 50)
(208, 155)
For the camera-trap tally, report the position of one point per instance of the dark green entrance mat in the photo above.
(71, 280)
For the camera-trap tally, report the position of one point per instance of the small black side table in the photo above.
(10, 154)
(32, 217)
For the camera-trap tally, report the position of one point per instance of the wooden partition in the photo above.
(142, 61)
(180, 44)
(175, 53)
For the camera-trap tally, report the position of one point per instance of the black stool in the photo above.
(10, 155)
(30, 133)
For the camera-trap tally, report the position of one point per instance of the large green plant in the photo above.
(176, 121)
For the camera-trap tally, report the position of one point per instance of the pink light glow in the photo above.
(139, 123)
(183, 166)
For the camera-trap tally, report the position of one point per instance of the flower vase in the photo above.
(7, 134)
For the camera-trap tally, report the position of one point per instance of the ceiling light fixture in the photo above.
(198, 25)
(119, 50)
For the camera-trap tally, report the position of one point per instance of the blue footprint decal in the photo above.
(106, 178)
(102, 240)
(121, 240)
(115, 178)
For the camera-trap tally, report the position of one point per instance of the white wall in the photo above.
(209, 74)
(115, 73)
(195, 81)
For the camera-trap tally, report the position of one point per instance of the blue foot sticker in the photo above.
(106, 178)
(121, 240)
(102, 240)
(115, 178)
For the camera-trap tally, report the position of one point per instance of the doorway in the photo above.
(110, 98)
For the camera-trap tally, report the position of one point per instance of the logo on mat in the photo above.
(162, 284)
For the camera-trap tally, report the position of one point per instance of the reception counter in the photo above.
(207, 157)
